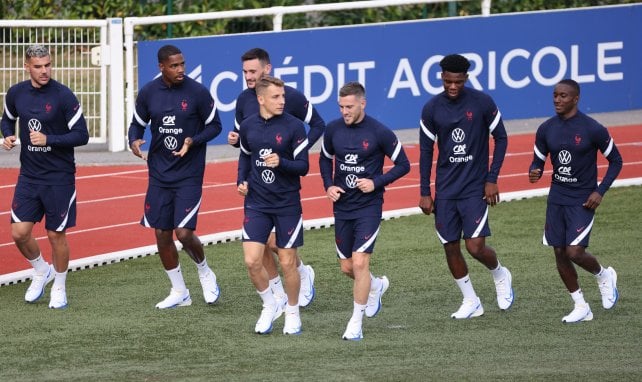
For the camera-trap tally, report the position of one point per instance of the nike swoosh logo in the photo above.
(580, 229)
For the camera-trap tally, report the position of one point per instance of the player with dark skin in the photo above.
(565, 99)
(453, 85)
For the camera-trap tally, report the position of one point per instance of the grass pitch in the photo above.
(111, 331)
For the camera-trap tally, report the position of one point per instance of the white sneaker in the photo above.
(469, 308)
(353, 332)
(373, 306)
(281, 301)
(38, 284)
(268, 315)
(582, 312)
(211, 291)
(58, 298)
(175, 299)
(608, 288)
(292, 324)
(307, 291)
(504, 289)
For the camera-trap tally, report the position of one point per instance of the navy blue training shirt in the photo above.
(273, 190)
(572, 145)
(461, 128)
(359, 151)
(54, 110)
(173, 114)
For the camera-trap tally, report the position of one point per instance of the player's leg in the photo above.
(256, 229)
(580, 222)
(26, 209)
(60, 211)
(186, 206)
(289, 236)
(269, 262)
(474, 216)
(159, 215)
(555, 235)
(448, 225)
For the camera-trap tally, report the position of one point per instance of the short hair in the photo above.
(571, 83)
(166, 51)
(36, 50)
(265, 82)
(256, 54)
(454, 63)
(352, 88)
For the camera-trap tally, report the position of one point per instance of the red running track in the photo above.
(110, 198)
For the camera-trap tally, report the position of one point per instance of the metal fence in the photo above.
(75, 52)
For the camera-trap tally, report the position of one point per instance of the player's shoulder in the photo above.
(293, 93)
(334, 125)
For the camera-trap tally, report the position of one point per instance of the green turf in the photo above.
(111, 331)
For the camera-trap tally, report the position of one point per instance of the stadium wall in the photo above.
(517, 58)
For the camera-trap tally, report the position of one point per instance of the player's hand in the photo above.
(37, 138)
(186, 145)
(9, 142)
(365, 185)
(272, 160)
(232, 138)
(491, 193)
(534, 175)
(242, 188)
(334, 193)
(426, 204)
(593, 201)
(135, 146)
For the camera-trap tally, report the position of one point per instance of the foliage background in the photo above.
(101, 9)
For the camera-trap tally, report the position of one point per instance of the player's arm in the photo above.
(303, 109)
(498, 132)
(394, 150)
(136, 130)
(610, 151)
(299, 164)
(326, 161)
(244, 165)
(211, 120)
(427, 137)
(8, 122)
(540, 152)
(233, 136)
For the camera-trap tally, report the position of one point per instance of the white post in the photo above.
(116, 118)
(485, 7)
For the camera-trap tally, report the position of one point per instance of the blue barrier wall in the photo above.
(517, 58)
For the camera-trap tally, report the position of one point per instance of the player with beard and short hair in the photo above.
(351, 163)
(51, 124)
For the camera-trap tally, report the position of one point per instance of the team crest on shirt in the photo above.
(578, 139)
(279, 138)
(48, 107)
(365, 144)
(184, 105)
(469, 115)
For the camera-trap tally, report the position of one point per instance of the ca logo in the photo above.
(169, 120)
(351, 158)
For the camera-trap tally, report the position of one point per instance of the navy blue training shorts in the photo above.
(456, 216)
(33, 201)
(168, 208)
(568, 225)
(257, 226)
(356, 235)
